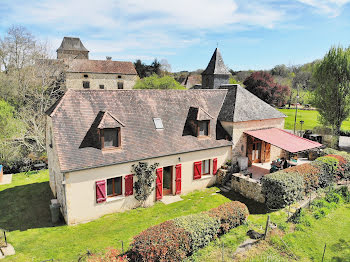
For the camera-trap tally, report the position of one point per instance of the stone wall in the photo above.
(109, 81)
(247, 187)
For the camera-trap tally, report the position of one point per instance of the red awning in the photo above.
(283, 139)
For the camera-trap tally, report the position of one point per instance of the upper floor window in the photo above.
(102, 86)
(120, 85)
(203, 128)
(110, 138)
(86, 84)
(86, 76)
(119, 76)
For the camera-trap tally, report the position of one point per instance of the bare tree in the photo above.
(32, 82)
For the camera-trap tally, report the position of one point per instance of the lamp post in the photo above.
(301, 126)
(296, 109)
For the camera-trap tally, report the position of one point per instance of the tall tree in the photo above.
(31, 83)
(263, 86)
(332, 93)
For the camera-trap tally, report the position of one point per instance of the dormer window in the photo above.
(110, 138)
(203, 128)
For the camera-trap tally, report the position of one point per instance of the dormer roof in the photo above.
(216, 65)
(109, 121)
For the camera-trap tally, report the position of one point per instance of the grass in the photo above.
(305, 244)
(310, 118)
(24, 206)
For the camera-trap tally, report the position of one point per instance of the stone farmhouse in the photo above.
(95, 136)
(83, 73)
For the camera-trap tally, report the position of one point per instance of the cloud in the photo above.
(331, 8)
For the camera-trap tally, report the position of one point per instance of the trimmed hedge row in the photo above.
(175, 239)
(289, 185)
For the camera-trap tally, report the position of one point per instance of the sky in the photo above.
(250, 34)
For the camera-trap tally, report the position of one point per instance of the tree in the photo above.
(31, 83)
(263, 86)
(156, 82)
(144, 70)
(145, 178)
(165, 66)
(332, 93)
(280, 70)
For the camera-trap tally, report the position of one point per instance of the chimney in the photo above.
(108, 58)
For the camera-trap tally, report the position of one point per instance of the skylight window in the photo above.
(158, 123)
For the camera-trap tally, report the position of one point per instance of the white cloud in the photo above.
(331, 8)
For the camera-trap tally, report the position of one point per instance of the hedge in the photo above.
(328, 167)
(175, 239)
(163, 242)
(201, 227)
(309, 173)
(230, 215)
(282, 189)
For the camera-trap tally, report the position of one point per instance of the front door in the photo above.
(256, 153)
(167, 180)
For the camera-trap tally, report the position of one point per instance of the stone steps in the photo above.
(225, 188)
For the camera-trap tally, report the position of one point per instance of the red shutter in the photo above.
(197, 172)
(215, 166)
(129, 185)
(100, 191)
(159, 184)
(178, 179)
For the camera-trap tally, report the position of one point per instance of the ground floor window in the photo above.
(114, 186)
(206, 167)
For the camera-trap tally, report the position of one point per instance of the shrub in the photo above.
(163, 242)
(328, 167)
(321, 212)
(201, 227)
(344, 192)
(281, 188)
(230, 215)
(112, 255)
(333, 197)
(309, 173)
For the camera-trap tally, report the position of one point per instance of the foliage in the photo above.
(30, 84)
(163, 242)
(282, 189)
(230, 215)
(332, 93)
(146, 176)
(144, 70)
(112, 255)
(263, 85)
(328, 167)
(309, 173)
(201, 227)
(156, 82)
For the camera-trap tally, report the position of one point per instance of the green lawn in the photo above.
(310, 118)
(306, 244)
(24, 206)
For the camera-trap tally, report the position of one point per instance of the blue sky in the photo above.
(250, 34)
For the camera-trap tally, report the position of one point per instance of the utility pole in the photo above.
(296, 109)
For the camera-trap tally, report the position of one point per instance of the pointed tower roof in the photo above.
(216, 65)
(72, 43)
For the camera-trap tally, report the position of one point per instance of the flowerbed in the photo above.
(175, 239)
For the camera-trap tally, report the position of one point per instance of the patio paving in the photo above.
(259, 170)
(171, 199)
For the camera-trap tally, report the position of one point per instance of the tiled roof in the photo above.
(191, 80)
(216, 65)
(100, 66)
(72, 44)
(240, 105)
(79, 112)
